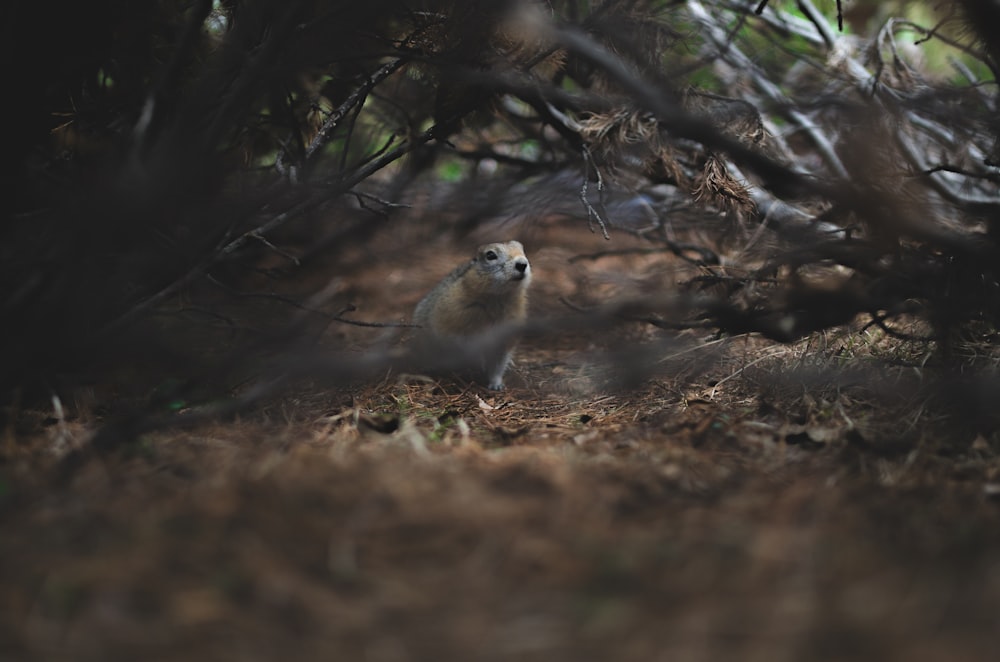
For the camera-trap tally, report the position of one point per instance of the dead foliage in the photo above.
(759, 422)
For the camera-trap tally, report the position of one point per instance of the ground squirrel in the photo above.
(489, 290)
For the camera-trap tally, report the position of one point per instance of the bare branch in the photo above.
(355, 99)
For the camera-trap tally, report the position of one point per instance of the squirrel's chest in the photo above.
(476, 315)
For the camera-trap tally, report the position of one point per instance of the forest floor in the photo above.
(716, 509)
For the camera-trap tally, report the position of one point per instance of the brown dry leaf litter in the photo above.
(712, 512)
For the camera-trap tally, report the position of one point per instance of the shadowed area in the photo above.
(750, 412)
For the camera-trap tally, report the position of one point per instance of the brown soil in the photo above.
(710, 510)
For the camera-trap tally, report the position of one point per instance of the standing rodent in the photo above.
(489, 290)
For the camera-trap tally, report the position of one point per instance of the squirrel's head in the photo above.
(504, 265)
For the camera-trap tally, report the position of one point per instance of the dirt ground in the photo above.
(716, 509)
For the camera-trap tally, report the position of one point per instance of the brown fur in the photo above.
(477, 296)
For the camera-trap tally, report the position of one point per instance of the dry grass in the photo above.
(745, 501)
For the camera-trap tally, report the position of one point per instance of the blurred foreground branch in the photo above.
(841, 179)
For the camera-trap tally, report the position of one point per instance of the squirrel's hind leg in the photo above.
(495, 370)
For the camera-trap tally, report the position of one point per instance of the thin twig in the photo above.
(767, 355)
(354, 99)
(363, 199)
(592, 212)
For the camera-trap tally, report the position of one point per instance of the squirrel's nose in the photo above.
(521, 265)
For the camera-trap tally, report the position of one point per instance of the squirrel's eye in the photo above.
(490, 255)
